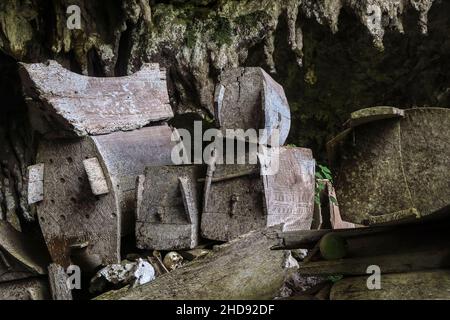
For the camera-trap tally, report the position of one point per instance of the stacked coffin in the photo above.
(104, 166)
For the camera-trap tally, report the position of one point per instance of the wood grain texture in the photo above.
(96, 178)
(233, 206)
(289, 193)
(168, 216)
(77, 105)
(70, 213)
(240, 198)
(26, 289)
(125, 155)
(59, 288)
(248, 98)
(394, 169)
(244, 268)
(426, 285)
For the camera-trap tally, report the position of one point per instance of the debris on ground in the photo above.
(126, 273)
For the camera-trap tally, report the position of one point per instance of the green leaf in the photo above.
(317, 199)
(328, 176)
(319, 175)
(325, 169)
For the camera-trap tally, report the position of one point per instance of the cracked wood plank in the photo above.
(77, 105)
(248, 98)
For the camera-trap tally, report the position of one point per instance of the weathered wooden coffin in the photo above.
(20, 256)
(248, 98)
(393, 168)
(239, 198)
(168, 207)
(89, 190)
(67, 104)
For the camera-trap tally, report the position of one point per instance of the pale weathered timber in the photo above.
(168, 214)
(289, 190)
(59, 286)
(425, 285)
(126, 155)
(30, 253)
(26, 289)
(248, 98)
(373, 114)
(244, 268)
(245, 197)
(394, 169)
(35, 183)
(96, 178)
(72, 214)
(76, 105)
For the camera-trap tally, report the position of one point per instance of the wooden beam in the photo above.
(244, 268)
(423, 285)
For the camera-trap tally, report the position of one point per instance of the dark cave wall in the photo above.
(344, 72)
(326, 54)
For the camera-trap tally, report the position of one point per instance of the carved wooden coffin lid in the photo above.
(248, 98)
(393, 169)
(240, 198)
(78, 105)
(168, 206)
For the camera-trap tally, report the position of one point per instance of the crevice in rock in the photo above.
(124, 51)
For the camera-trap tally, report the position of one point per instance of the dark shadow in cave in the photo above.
(343, 72)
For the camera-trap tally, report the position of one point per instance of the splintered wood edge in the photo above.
(140, 180)
(96, 178)
(188, 199)
(59, 288)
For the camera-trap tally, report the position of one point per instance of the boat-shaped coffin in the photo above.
(394, 167)
(67, 104)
